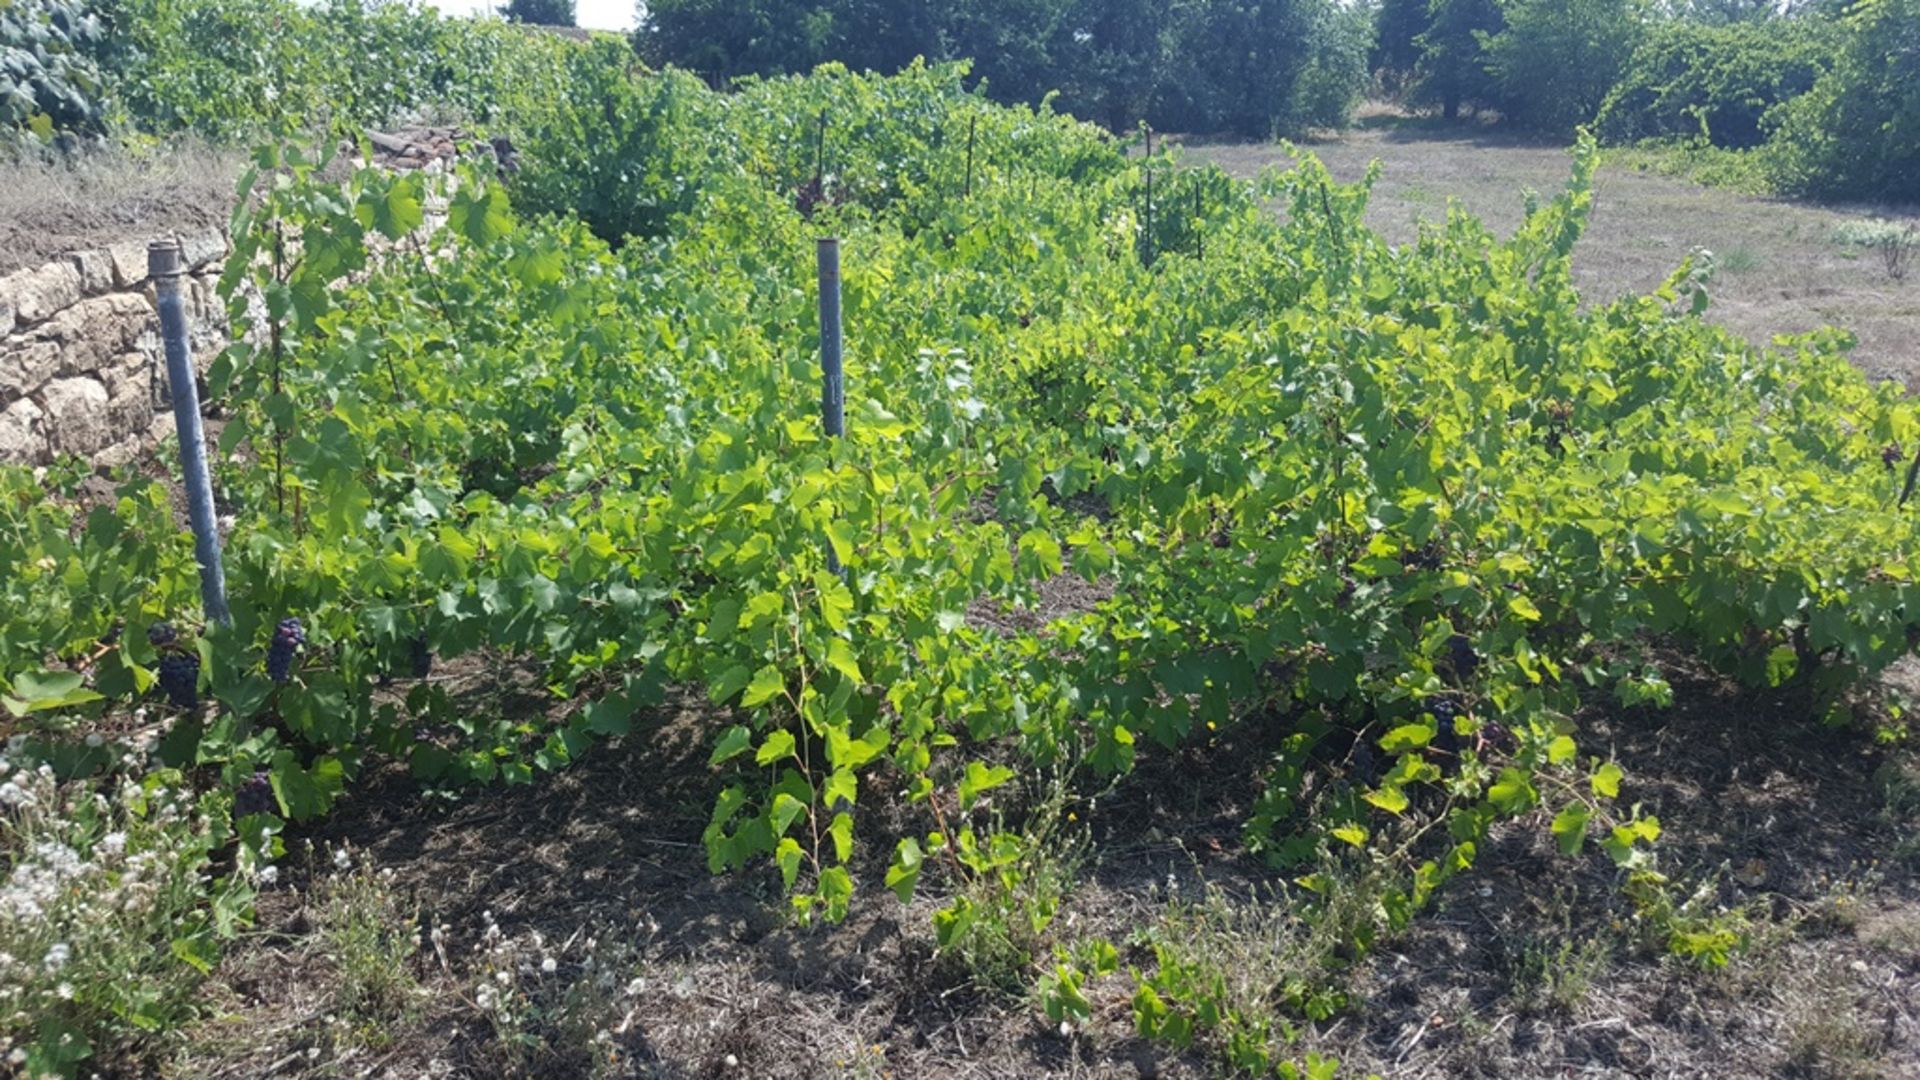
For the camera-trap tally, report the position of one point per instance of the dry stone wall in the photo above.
(82, 371)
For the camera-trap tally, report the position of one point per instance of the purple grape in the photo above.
(255, 796)
(422, 654)
(287, 639)
(1465, 660)
(162, 634)
(180, 678)
(1890, 455)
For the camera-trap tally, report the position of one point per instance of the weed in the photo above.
(1894, 241)
(370, 938)
(1554, 972)
(994, 928)
(1828, 1042)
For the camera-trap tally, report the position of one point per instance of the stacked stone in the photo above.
(81, 366)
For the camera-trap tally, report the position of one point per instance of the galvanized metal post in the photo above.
(163, 266)
(833, 392)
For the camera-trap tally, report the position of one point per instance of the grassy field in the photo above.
(1781, 270)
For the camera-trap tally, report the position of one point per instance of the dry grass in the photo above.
(49, 206)
(1781, 271)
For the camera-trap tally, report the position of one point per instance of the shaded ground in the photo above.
(1528, 966)
(1780, 269)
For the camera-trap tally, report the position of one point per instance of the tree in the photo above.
(724, 39)
(1452, 70)
(1397, 26)
(540, 12)
(1856, 134)
(1557, 60)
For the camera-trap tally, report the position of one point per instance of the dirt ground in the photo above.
(48, 209)
(624, 957)
(1780, 269)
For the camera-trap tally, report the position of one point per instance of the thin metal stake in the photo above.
(1199, 230)
(972, 122)
(833, 394)
(163, 266)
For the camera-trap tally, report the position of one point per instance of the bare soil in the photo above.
(1528, 966)
(1780, 270)
(51, 207)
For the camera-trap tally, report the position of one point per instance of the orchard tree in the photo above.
(1556, 60)
(540, 12)
(1397, 26)
(1451, 71)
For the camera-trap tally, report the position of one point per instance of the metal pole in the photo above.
(972, 123)
(163, 266)
(833, 395)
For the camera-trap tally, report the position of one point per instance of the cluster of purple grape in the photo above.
(288, 636)
(255, 796)
(162, 635)
(180, 678)
(1465, 660)
(422, 654)
(1429, 556)
(1890, 455)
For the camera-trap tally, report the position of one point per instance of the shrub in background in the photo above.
(1856, 134)
(540, 12)
(1451, 72)
(621, 151)
(1716, 83)
(1556, 60)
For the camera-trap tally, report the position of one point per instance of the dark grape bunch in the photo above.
(180, 678)
(1890, 455)
(1429, 556)
(422, 655)
(112, 636)
(255, 796)
(162, 635)
(1465, 660)
(288, 636)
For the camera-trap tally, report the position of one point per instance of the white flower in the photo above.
(18, 1057)
(95, 740)
(484, 998)
(549, 965)
(503, 978)
(341, 859)
(57, 956)
(14, 795)
(114, 843)
(269, 875)
(65, 991)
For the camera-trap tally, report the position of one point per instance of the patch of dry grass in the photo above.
(52, 205)
(1781, 272)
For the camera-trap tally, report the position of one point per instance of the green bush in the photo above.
(540, 12)
(1252, 67)
(50, 80)
(1856, 134)
(232, 70)
(1556, 61)
(1716, 83)
(621, 149)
